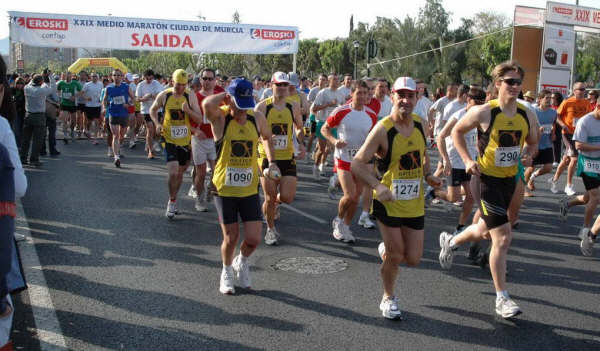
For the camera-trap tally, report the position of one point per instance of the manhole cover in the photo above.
(311, 265)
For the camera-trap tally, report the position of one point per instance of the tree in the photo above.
(588, 58)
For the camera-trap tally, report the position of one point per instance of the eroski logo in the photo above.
(255, 33)
(272, 34)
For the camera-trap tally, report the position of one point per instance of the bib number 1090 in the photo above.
(238, 176)
(405, 189)
(507, 156)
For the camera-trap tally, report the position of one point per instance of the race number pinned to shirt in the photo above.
(118, 100)
(66, 95)
(507, 156)
(179, 132)
(546, 128)
(406, 189)
(351, 153)
(280, 142)
(240, 177)
(591, 166)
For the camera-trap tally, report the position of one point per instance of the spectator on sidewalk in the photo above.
(34, 126)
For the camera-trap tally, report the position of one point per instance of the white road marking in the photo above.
(48, 329)
(307, 215)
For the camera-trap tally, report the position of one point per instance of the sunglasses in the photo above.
(117, 75)
(512, 81)
(282, 84)
(208, 78)
(580, 89)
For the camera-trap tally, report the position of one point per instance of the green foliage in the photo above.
(588, 58)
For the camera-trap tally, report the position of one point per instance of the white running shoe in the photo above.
(322, 170)
(348, 235)
(564, 208)
(226, 286)
(272, 236)
(242, 272)
(192, 192)
(200, 205)
(570, 189)
(381, 250)
(583, 232)
(332, 187)
(132, 144)
(506, 307)
(365, 221)
(553, 186)
(338, 232)
(156, 147)
(446, 253)
(171, 210)
(389, 308)
(587, 245)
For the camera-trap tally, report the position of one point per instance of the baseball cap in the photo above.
(241, 91)
(529, 94)
(280, 77)
(136, 76)
(129, 77)
(294, 80)
(180, 76)
(404, 83)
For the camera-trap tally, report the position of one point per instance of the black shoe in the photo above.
(483, 260)
(55, 153)
(118, 163)
(473, 253)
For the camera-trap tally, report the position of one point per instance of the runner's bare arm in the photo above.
(214, 114)
(193, 110)
(265, 134)
(298, 123)
(304, 105)
(375, 143)
(155, 107)
(326, 131)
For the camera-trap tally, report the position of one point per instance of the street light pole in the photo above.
(356, 46)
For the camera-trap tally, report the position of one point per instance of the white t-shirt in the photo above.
(312, 94)
(267, 92)
(144, 88)
(438, 107)
(353, 126)
(386, 107)
(452, 107)
(470, 138)
(92, 90)
(324, 97)
(422, 108)
(587, 130)
(347, 92)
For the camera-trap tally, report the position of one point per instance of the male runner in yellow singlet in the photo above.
(504, 126)
(399, 145)
(236, 129)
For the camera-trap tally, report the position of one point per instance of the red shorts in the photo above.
(343, 165)
(131, 109)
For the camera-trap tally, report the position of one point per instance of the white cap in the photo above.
(404, 83)
(280, 77)
(135, 76)
(129, 77)
(294, 80)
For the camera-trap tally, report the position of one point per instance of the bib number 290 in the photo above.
(507, 156)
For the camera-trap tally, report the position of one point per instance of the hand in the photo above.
(447, 167)
(526, 160)
(147, 97)
(433, 181)
(340, 143)
(383, 193)
(472, 167)
(274, 172)
(185, 107)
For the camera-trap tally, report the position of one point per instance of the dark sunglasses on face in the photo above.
(512, 81)
(282, 84)
(580, 89)
(208, 78)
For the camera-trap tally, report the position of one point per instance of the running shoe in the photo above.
(109, 153)
(446, 252)
(586, 246)
(365, 221)
(338, 232)
(348, 235)
(315, 172)
(506, 307)
(171, 210)
(241, 271)
(132, 144)
(200, 205)
(272, 236)
(564, 208)
(553, 186)
(157, 147)
(389, 308)
(583, 232)
(570, 189)
(226, 286)
(118, 162)
(192, 192)
(332, 187)
(381, 250)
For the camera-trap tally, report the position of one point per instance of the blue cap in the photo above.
(241, 91)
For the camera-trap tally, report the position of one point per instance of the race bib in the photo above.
(66, 95)
(280, 142)
(406, 189)
(547, 128)
(351, 153)
(507, 156)
(179, 132)
(591, 166)
(238, 176)
(118, 100)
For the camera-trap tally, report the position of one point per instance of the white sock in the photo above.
(227, 268)
(364, 214)
(502, 293)
(453, 243)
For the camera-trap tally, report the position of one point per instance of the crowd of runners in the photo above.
(243, 137)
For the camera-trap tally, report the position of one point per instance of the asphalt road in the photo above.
(123, 277)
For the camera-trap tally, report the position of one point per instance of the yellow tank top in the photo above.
(236, 169)
(176, 126)
(501, 144)
(281, 124)
(402, 170)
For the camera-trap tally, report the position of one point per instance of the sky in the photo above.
(320, 19)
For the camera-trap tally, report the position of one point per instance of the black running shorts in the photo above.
(496, 194)
(229, 208)
(380, 213)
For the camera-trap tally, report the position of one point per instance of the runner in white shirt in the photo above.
(423, 102)
(326, 101)
(346, 88)
(454, 167)
(436, 111)
(353, 122)
(312, 95)
(146, 91)
(93, 106)
(382, 90)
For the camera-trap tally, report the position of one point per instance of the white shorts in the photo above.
(203, 150)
